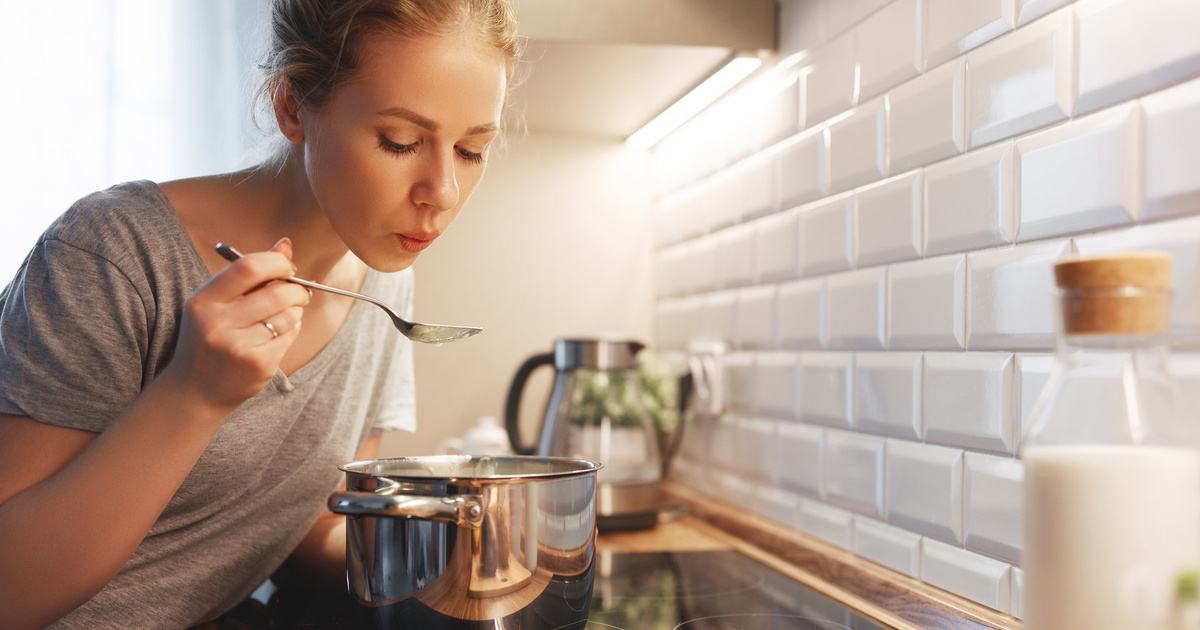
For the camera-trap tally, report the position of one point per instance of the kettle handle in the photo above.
(512, 406)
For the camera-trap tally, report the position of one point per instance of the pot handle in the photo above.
(459, 510)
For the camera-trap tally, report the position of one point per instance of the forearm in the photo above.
(319, 562)
(63, 539)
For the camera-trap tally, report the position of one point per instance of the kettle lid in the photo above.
(601, 353)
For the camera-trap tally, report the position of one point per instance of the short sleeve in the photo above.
(398, 411)
(73, 338)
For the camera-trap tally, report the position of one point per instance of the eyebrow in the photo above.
(425, 123)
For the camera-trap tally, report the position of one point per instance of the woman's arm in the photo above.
(75, 505)
(319, 561)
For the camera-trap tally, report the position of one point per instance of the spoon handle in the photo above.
(229, 253)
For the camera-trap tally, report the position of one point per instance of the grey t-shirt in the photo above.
(89, 320)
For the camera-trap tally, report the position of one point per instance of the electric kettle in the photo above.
(596, 413)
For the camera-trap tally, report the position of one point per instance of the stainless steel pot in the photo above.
(472, 542)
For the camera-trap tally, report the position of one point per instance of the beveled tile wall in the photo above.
(871, 224)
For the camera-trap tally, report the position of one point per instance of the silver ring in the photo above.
(274, 333)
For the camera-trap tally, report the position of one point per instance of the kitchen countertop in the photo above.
(886, 596)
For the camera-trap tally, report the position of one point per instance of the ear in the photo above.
(287, 111)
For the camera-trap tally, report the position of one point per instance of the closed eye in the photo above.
(396, 148)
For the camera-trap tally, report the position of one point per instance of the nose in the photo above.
(437, 184)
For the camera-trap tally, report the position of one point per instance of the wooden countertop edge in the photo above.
(890, 597)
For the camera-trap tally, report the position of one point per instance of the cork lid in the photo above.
(1145, 269)
(1124, 293)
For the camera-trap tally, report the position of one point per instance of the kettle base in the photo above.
(623, 507)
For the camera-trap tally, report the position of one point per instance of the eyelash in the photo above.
(405, 149)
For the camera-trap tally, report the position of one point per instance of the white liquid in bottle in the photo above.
(1108, 531)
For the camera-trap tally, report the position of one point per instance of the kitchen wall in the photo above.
(555, 242)
(871, 226)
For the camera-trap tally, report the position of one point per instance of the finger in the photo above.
(265, 302)
(281, 322)
(249, 272)
(284, 246)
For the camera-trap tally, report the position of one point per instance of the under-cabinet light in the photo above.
(702, 96)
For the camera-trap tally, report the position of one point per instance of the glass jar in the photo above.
(1112, 465)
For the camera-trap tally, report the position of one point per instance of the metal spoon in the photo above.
(425, 333)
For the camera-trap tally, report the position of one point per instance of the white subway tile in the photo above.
(719, 316)
(724, 199)
(827, 388)
(1030, 10)
(724, 442)
(1173, 151)
(704, 256)
(928, 118)
(753, 449)
(781, 506)
(892, 547)
(697, 439)
(1181, 238)
(693, 320)
(890, 220)
(857, 151)
(889, 47)
(754, 317)
(1018, 585)
(1185, 368)
(738, 369)
(927, 304)
(887, 393)
(826, 522)
(802, 169)
(776, 245)
(1021, 82)
(777, 114)
(798, 457)
(1012, 299)
(842, 14)
(992, 505)
(736, 490)
(831, 82)
(776, 384)
(1080, 176)
(854, 469)
(924, 489)
(971, 575)
(801, 314)
(668, 324)
(827, 235)
(857, 309)
(969, 201)
(736, 255)
(1130, 47)
(754, 180)
(1031, 373)
(667, 272)
(968, 400)
(956, 26)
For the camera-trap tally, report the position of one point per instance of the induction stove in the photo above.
(685, 590)
(708, 590)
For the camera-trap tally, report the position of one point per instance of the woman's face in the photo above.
(394, 155)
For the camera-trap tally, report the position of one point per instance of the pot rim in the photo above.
(566, 468)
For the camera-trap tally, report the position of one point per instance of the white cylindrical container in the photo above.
(1111, 535)
(1110, 531)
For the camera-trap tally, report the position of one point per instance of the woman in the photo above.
(168, 429)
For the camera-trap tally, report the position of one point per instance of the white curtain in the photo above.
(102, 91)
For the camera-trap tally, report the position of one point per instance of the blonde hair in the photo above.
(314, 44)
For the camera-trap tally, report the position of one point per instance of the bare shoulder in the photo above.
(32, 451)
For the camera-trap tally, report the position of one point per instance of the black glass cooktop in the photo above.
(695, 590)
(708, 590)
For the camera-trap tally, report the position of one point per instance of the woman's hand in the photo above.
(226, 351)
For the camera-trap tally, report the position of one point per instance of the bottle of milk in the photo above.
(1112, 462)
